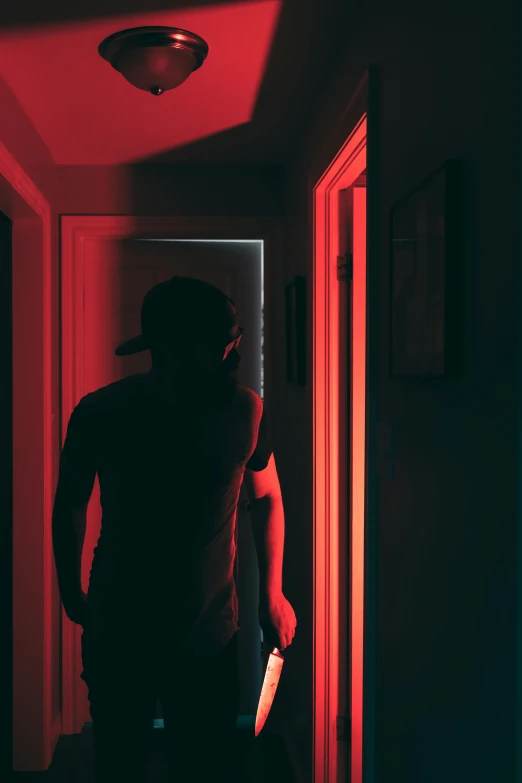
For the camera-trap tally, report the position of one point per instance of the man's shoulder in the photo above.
(115, 393)
(127, 390)
(248, 398)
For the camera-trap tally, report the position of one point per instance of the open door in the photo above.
(111, 278)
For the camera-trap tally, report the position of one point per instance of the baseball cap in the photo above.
(183, 308)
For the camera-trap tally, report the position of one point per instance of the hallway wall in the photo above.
(20, 137)
(154, 189)
(447, 522)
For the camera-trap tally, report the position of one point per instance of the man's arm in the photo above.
(69, 524)
(75, 484)
(268, 526)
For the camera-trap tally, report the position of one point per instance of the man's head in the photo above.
(190, 325)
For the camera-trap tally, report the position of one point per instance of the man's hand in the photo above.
(278, 621)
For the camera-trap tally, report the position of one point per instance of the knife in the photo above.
(270, 683)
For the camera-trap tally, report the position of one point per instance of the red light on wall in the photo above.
(333, 522)
(358, 431)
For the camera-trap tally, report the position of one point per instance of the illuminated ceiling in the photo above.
(245, 104)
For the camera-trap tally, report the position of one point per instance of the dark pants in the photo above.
(129, 660)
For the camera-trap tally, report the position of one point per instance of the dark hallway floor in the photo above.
(262, 760)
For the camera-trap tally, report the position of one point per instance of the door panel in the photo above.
(117, 274)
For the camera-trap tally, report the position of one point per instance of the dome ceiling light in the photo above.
(154, 59)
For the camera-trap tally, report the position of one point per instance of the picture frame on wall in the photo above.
(295, 312)
(421, 275)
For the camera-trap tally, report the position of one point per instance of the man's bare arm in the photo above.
(268, 527)
(68, 527)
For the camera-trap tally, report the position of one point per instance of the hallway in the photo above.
(239, 152)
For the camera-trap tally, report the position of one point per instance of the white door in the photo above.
(117, 274)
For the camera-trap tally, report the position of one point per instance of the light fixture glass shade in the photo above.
(155, 68)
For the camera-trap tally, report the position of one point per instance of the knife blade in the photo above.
(268, 691)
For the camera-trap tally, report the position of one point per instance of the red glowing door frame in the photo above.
(35, 713)
(338, 519)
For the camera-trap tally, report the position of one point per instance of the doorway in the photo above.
(31, 706)
(6, 498)
(340, 436)
(116, 276)
(91, 273)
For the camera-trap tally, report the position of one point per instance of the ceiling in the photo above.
(267, 60)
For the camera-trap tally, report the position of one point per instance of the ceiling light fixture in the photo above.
(154, 59)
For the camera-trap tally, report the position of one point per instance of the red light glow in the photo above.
(331, 518)
(87, 114)
(358, 430)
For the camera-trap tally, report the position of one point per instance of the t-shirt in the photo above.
(170, 473)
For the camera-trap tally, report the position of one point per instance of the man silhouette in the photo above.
(171, 449)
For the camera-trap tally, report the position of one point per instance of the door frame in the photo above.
(6, 495)
(76, 230)
(35, 728)
(332, 672)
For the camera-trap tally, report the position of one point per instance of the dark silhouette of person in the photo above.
(171, 448)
